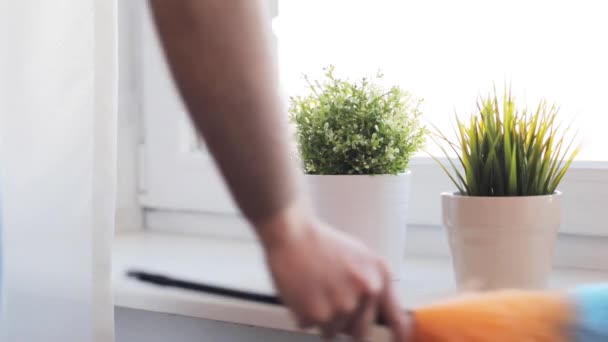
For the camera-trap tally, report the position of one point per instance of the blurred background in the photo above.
(450, 52)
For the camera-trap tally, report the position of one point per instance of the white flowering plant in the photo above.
(346, 128)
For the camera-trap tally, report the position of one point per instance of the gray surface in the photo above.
(144, 326)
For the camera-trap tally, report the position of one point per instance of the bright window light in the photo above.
(450, 52)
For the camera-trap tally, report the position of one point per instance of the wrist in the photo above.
(286, 225)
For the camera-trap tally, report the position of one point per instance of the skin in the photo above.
(220, 54)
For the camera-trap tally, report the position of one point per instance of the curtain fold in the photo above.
(58, 91)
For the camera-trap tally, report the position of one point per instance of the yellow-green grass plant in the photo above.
(504, 151)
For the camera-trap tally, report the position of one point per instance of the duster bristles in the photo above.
(505, 316)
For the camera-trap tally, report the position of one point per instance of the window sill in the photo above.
(240, 264)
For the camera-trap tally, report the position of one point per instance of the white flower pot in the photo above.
(373, 209)
(502, 242)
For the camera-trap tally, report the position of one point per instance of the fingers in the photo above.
(316, 315)
(339, 290)
(335, 319)
(331, 330)
(349, 310)
(363, 319)
(356, 305)
(330, 324)
(397, 320)
(345, 301)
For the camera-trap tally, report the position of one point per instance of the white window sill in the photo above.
(239, 264)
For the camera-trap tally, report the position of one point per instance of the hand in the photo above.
(328, 279)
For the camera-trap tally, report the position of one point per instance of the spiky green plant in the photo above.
(506, 152)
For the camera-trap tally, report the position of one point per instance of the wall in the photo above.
(128, 213)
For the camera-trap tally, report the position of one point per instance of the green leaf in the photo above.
(355, 127)
(505, 151)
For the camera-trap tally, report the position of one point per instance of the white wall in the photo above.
(128, 213)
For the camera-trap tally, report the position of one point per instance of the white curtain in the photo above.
(58, 84)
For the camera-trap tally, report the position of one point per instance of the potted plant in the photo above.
(355, 140)
(503, 221)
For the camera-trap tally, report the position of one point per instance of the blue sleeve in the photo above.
(592, 313)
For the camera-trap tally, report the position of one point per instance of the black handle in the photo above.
(166, 281)
(162, 280)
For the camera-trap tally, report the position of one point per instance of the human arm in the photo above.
(220, 55)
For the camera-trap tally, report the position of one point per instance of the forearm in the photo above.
(220, 54)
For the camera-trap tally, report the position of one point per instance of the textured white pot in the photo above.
(373, 209)
(502, 242)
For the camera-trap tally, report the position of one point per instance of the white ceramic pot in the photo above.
(502, 242)
(371, 208)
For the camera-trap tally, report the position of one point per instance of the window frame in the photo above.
(170, 154)
(584, 188)
(181, 190)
